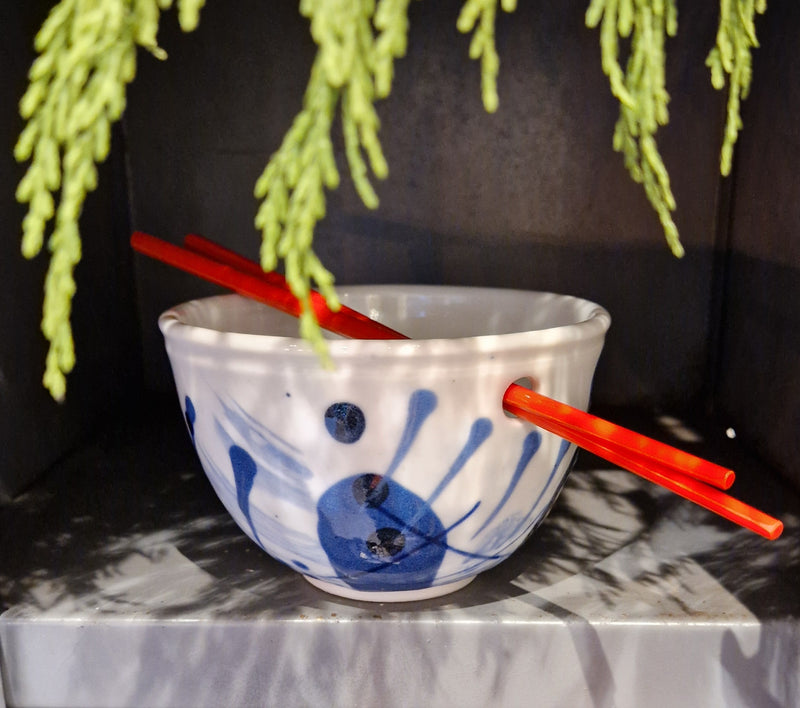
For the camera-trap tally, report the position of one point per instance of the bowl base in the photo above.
(389, 595)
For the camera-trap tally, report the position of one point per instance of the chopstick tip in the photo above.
(775, 530)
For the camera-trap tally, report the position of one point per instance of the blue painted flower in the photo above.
(377, 534)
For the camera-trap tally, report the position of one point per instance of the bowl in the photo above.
(394, 474)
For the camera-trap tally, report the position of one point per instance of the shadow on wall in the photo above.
(657, 350)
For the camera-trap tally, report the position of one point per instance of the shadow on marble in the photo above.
(130, 524)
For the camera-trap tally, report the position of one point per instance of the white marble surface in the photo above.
(126, 584)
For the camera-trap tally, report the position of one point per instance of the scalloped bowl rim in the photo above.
(176, 322)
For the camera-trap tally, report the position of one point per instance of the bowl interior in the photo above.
(418, 311)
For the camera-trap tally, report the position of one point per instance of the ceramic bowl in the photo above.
(396, 474)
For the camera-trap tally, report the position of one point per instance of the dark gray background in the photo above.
(531, 197)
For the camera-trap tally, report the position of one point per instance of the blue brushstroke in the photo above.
(280, 472)
(525, 522)
(420, 406)
(274, 535)
(441, 539)
(481, 429)
(189, 415)
(247, 421)
(244, 474)
(529, 448)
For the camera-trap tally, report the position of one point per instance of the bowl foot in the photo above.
(389, 595)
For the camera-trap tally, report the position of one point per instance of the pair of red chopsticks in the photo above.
(693, 478)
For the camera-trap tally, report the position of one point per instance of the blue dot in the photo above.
(370, 489)
(386, 542)
(300, 565)
(345, 422)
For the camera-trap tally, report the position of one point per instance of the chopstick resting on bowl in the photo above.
(680, 472)
(268, 288)
(662, 465)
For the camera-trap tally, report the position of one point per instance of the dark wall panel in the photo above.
(760, 363)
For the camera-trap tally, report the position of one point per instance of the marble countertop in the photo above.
(123, 582)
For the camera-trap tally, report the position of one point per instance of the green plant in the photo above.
(87, 56)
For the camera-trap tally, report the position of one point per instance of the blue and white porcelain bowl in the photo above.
(396, 474)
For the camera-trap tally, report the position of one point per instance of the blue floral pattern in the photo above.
(376, 534)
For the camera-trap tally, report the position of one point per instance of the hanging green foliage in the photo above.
(87, 56)
(482, 46)
(732, 55)
(357, 43)
(641, 91)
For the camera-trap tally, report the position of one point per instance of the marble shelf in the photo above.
(123, 582)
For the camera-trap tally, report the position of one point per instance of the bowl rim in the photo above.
(592, 327)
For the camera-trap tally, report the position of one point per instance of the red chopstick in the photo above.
(271, 290)
(524, 403)
(626, 443)
(678, 471)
